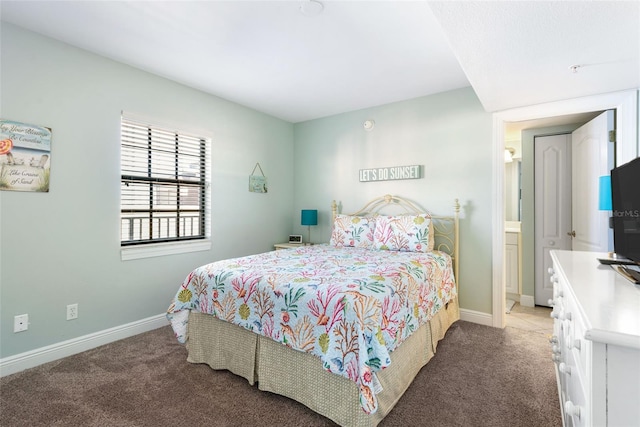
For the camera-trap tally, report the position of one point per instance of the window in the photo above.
(163, 185)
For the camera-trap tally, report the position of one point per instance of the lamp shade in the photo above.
(604, 193)
(309, 217)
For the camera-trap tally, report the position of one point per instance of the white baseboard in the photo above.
(30, 359)
(19, 362)
(514, 297)
(527, 301)
(476, 317)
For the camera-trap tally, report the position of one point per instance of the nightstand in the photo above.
(287, 245)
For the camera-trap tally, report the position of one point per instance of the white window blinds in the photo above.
(163, 185)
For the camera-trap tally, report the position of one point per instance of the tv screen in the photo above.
(625, 201)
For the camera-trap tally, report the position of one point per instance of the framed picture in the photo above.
(25, 156)
(295, 238)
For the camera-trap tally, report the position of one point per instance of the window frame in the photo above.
(177, 242)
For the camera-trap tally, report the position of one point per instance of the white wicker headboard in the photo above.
(446, 228)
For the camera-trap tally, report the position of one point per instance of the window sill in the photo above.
(162, 249)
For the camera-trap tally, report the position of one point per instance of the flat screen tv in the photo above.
(625, 203)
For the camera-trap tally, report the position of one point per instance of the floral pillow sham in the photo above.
(410, 233)
(354, 231)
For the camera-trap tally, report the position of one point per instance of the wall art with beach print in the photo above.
(25, 156)
(257, 183)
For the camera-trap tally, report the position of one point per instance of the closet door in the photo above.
(552, 164)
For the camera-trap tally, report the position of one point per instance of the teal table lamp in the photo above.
(309, 217)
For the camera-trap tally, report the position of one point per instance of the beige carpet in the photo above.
(480, 376)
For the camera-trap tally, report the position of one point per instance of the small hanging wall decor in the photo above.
(257, 183)
(25, 157)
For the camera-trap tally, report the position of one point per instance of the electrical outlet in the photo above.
(21, 323)
(72, 311)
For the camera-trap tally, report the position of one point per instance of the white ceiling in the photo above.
(519, 53)
(269, 56)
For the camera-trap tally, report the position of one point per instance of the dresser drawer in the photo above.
(570, 365)
(575, 408)
(576, 344)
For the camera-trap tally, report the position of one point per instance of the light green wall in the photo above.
(62, 247)
(448, 133)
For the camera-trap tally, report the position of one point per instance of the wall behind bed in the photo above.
(62, 247)
(449, 134)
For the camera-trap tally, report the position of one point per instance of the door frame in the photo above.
(627, 148)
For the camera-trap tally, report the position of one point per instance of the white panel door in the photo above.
(552, 163)
(592, 157)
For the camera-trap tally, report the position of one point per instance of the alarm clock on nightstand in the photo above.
(295, 238)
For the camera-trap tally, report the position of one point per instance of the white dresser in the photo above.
(596, 341)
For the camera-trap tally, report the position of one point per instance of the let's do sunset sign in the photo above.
(391, 173)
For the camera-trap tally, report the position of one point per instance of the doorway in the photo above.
(627, 149)
(552, 137)
(561, 165)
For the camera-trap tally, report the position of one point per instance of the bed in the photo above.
(343, 327)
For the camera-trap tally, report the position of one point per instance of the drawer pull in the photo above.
(571, 409)
(564, 368)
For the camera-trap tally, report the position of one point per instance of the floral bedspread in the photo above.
(349, 306)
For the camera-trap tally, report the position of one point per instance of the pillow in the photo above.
(356, 231)
(409, 233)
